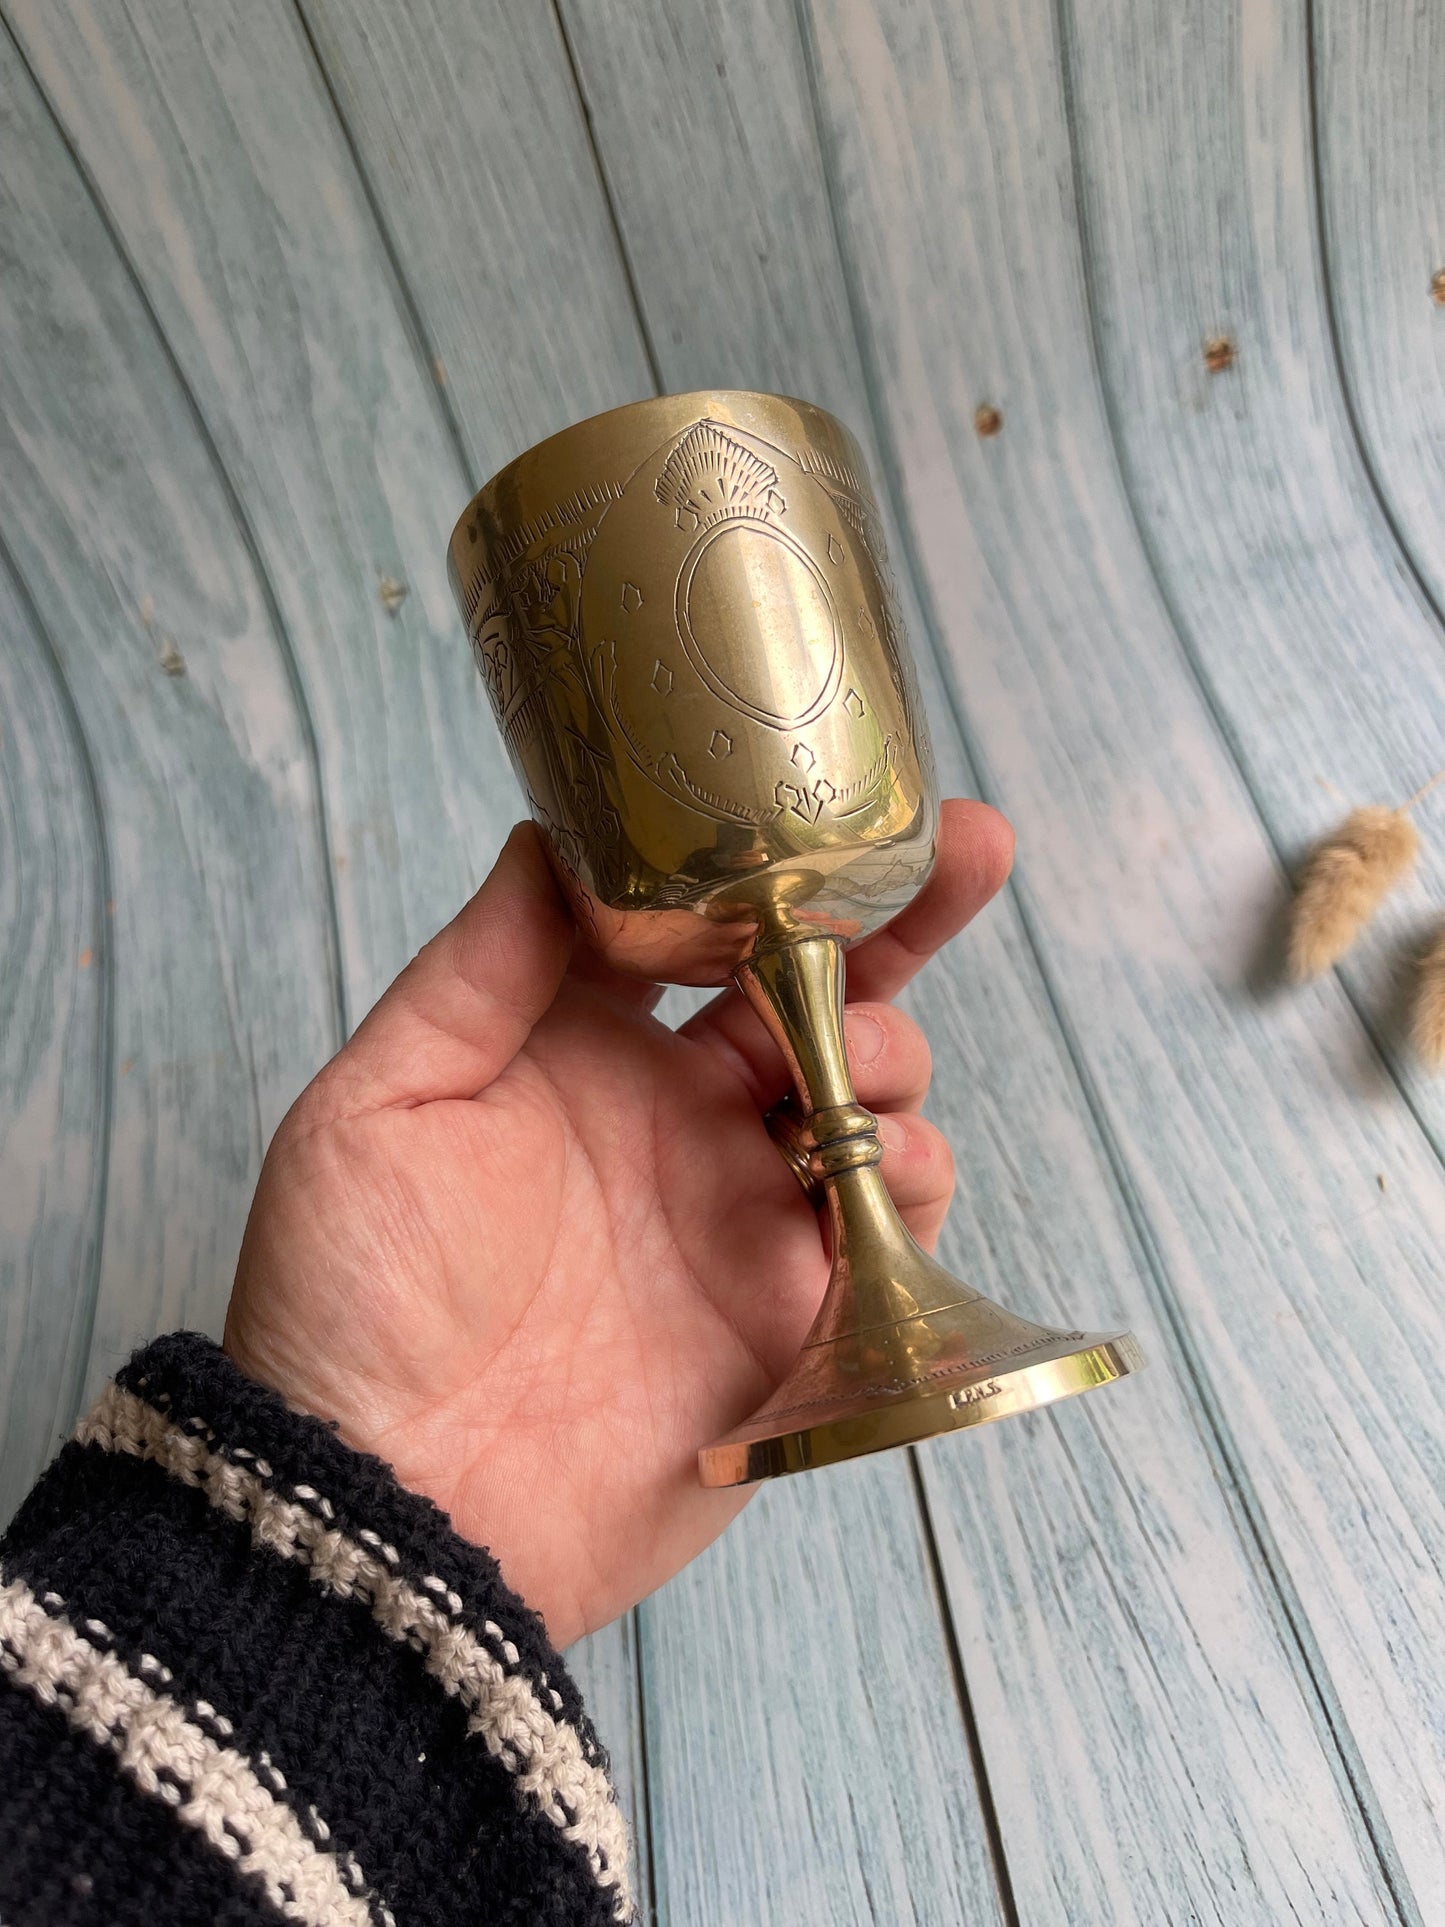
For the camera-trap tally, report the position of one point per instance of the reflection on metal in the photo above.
(683, 615)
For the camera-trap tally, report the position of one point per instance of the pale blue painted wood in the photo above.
(1305, 620)
(54, 966)
(501, 199)
(804, 1746)
(1379, 78)
(324, 416)
(1138, 1600)
(218, 952)
(1302, 1295)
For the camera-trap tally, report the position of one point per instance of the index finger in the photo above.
(975, 854)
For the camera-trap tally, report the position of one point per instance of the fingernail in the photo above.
(865, 1036)
(892, 1135)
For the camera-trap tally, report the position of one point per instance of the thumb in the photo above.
(462, 1009)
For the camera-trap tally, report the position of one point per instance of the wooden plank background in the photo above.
(281, 283)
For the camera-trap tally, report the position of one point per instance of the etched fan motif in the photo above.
(709, 476)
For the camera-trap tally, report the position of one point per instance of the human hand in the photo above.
(534, 1248)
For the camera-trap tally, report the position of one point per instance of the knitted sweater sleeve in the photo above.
(245, 1677)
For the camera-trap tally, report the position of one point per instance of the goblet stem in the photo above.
(900, 1349)
(797, 990)
(880, 1275)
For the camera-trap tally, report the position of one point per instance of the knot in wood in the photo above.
(1218, 354)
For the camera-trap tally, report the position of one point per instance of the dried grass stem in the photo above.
(1427, 1022)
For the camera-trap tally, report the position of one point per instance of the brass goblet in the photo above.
(683, 616)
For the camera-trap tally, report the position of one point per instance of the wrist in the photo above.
(361, 1680)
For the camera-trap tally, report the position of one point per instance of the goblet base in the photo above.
(796, 1431)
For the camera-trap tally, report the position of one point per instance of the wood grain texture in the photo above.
(1299, 1291)
(1312, 637)
(803, 1737)
(1137, 1598)
(279, 303)
(469, 130)
(54, 1054)
(222, 967)
(1378, 76)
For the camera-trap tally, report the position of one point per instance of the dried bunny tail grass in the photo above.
(1428, 1018)
(1345, 881)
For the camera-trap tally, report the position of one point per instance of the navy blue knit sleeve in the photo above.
(245, 1677)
